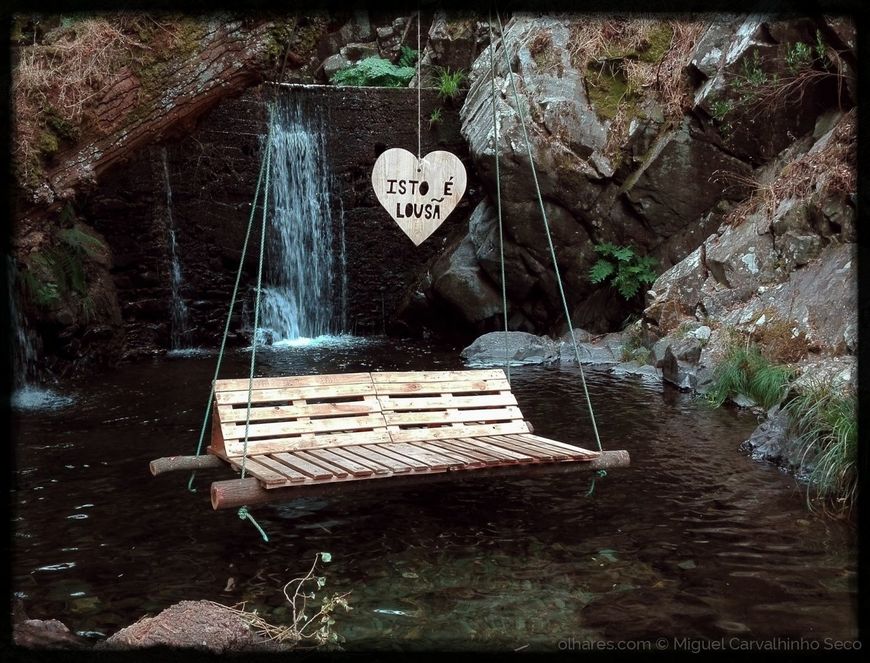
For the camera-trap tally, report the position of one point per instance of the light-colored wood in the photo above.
(229, 414)
(436, 388)
(555, 443)
(451, 415)
(371, 421)
(234, 493)
(386, 377)
(294, 476)
(446, 432)
(336, 460)
(471, 457)
(310, 470)
(396, 404)
(486, 443)
(307, 441)
(337, 471)
(413, 463)
(397, 178)
(289, 394)
(368, 452)
(347, 454)
(241, 384)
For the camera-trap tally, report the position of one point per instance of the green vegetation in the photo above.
(435, 117)
(745, 370)
(824, 420)
(408, 56)
(374, 71)
(55, 274)
(626, 270)
(449, 82)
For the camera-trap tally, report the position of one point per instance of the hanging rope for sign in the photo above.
(552, 250)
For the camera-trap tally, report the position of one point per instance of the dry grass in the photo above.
(305, 630)
(648, 54)
(831, 170)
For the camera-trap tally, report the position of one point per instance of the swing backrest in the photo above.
(322, 411)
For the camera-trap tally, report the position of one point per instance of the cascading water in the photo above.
(178, 332)
(28, 393)
(298, 295)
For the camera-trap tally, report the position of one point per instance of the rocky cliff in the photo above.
(650, 134)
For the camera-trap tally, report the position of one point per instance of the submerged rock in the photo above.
(46, 634)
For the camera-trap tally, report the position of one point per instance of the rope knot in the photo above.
(244, 514)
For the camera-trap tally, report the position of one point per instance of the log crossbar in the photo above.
(313, 432)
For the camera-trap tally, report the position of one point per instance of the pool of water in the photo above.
(694, 540)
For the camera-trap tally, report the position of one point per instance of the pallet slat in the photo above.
(453, 416)
(235, 431)
(286, 395)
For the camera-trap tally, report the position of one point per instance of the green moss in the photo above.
(659, 40)
(47, 143)
(608, 90)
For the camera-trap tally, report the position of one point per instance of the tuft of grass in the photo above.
(448, 82)
(435, 117)
(745, 370)
(824, 421)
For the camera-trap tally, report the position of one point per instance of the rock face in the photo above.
(656, 166)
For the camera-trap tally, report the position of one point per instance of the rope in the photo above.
(229, 318)
(547, 229)
(601, 474)
(257, 305)
(419, 86)
(244, 514)
(507, 364)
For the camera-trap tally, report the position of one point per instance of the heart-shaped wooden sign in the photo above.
(418, 194)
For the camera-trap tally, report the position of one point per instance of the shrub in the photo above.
(824, 421)
(626, 270)
(408, 56)
(374, 71)
(744, 370)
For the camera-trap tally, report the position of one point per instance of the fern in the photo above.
(374, 71)
(407, 56)
(82, 241)
(600, 271)
(626, 270)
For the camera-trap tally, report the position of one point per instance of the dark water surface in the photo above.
(694, 540)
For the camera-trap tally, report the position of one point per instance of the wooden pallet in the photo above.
(347, 427)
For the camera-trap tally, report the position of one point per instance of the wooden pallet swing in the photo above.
(313, 434)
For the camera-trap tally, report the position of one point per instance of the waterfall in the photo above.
(178, 332)
(28, 394)
(23, 340)
(343, 268)
(298, 294)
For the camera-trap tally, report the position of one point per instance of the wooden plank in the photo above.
(296, 393)
(337, 471)
(385, 377)
(469, 430)
(262, 472)
(490, 455)
(458, 416)
(562, 445)
(436, 388)
(368, 452)
(507, 443)
(277, 428)
(307, 441)
(228, 413)
(234, 493)
(293, 475)
(291, 381)
(305, 467)
(352, 466)
(413, 463)
(554, 452)
(440, 402)
(559, 453)
(343, 452)
(430, 458)
(487, 444)
(468, 458)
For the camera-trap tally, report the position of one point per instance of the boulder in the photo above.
(773, 441)
(522, 348)
(45, 634)
(678, 372)
(199, 625)
(458, 279)
(334, 63)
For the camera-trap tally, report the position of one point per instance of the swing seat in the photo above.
(319, 430)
